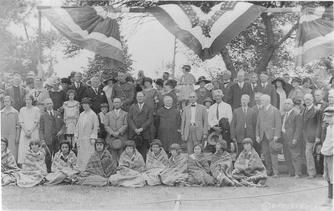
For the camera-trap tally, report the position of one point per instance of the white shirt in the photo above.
(193, 114)
(241, 84)
(286, 115)
(224, 109)
(117, 111)
(327, 146)
(264, 84)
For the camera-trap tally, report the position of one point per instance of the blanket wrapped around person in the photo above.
(156, 161)
(8, 168)
(175, 173)
(131, 167)
(199, 169)
(33, 166)
(100, 166)
(221, 166)
(249, 169)
(64, 166)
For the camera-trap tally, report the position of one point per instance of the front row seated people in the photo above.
(197, 169)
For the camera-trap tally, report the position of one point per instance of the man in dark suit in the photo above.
(238, 89)
(267, 88)
(268, 130)
(96, 94)
(256, 108)
(226, 85)
(140, 118)
(125, 91)
(311, 128)
(51, 129)
(78, 86)
(17, 92)
(254, 83)
(243, 123)
(288, 86)
(291, 129)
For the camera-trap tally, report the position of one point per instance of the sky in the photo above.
(150, 45)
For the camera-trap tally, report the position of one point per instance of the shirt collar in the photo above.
(168, 107)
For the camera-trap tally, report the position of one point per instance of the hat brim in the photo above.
(105, 82)
(206, 82)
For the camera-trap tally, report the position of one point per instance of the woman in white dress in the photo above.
(29, 121)
(71, 114)
(86, 133)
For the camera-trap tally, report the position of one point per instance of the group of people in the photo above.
(125, 132)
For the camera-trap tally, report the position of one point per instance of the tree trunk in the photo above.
(228, 61)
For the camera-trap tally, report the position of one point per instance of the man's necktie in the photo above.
(217, 112)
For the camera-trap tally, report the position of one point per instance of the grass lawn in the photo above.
(284, 193)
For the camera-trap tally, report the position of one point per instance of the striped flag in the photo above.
(206, 33)
(315, 35)
(88, 29)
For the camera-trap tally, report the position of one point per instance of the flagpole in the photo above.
(174, 55)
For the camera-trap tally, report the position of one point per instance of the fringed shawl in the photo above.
(66, 164)
(135, 162)
(101, 164)
(8, 164)
(156, 161)
(35, 161)
(198, 162)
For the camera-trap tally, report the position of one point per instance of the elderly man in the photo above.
(227, 83)
(116, 125)
(194, 123)
(96, 94)
(219, 110)
(78, 86)
(17, 92)
(327, 151)
(168, 122)
(319, 102)
(51, 129)
(238, 89)
(291, 129)
(243, 123)
(140, 119)
(268, 130)
(267, 88)
(311, 129)
(125, 91)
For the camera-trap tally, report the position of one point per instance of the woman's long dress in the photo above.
(176, 171)
(221, 169)
(155, 164)
(9, 126)
(199, 170)
(130, 171)
(33, 169)
(249, 169)
(187, 86)
(63, 168)
(86, 130)
(8, 168)
(71, 115)
(28, 118)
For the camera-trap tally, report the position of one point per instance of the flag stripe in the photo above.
(315, 52)
(329, 38)
(95, 41)
(311, 30)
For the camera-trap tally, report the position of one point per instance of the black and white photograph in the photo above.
(167, 105)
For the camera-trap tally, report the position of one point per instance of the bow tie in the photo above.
(193, 105)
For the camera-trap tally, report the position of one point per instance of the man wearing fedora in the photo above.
(116, 125)
(194, 123)
(202, 92)
(95, 92)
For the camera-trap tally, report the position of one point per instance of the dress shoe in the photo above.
(275, 176)
(310, 177)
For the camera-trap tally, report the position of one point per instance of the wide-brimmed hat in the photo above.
(147, 79)
(208, 99)
(159, 82)
(174, 146)
(329, 111)
(156, 142)
(202, 79)
(297, 79)
(104, 105)
(111, 78)
(86, 100)
(30, 74)
(186, 67)
(247, 141)
(172, 83)
(130, 143)
(214, 137)
(278, 79)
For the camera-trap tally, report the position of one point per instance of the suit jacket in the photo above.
(19, 101)
(293, 126)
(201, 121)
(116, 123)
(126, 92)
(269, 123)
(269, 90)
(50, 126)
(226, 89)
(311, 124)
(240, 119)
(97, 99)
(140, 119)
(235, 92)
(79, 92)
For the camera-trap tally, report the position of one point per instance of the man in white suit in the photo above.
(194, 123)
(219, 110)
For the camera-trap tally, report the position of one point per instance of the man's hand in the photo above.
(141, 130)
(294, 141)
(92, 141)
(232, 147)
(258, 139)
(183, 138)
(205, 136)
(275, 138)
(317, 140)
